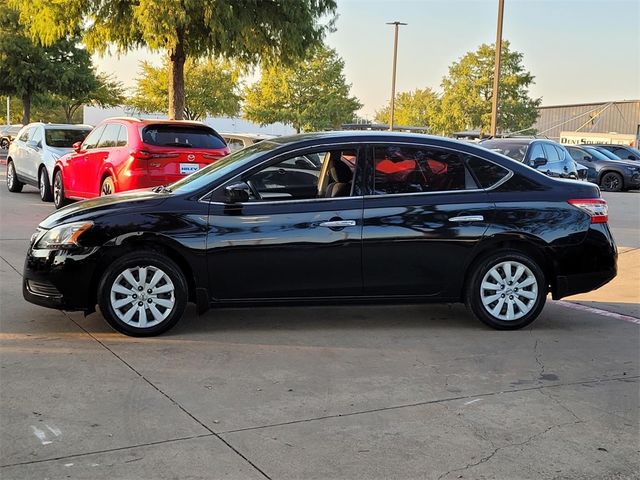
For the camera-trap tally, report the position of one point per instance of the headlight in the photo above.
(63, 236)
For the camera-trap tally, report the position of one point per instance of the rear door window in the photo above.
(401, 169)
(92, 139)
(551, 153)
(181, 136)
(37, 135)
(535, 151)
(110, 136)
(122, 136)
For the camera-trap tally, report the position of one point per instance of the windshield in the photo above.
(64, 137)
(607, 153)
(515, 150)
(599, 154)
(225, 165)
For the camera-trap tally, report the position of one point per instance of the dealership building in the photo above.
(603, 122)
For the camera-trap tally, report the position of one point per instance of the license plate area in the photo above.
(188, 168)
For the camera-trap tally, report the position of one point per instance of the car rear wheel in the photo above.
(13, 184)
(506, 290)
(107, 187)
(4, 144)
(143, 294)
(59, 200)
(612, 182)
(44, 186)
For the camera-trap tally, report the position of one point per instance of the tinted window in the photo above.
(414, 169)
(486, 173)
(37, 135)
(110, 136)
(551, 153)
(122, 137)
(64, 138)
(25, 135)
(181, 136)
(577, 154)
(515, 150)
(92, 139)
(535, 151)
(596, 153)
(607, 153)
(626, 153)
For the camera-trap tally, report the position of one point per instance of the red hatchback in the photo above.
(126, 153)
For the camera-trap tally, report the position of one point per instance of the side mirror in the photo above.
(588, 159)
(539, 162)
(33, 144)
(237, 193)
(77, 146)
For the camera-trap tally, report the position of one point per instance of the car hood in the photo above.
(94, 207)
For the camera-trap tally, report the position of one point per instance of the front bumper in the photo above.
(60, 279)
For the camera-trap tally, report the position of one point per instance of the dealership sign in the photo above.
(581, 138)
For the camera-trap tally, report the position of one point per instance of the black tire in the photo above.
(4, 144)
(612, 182)
(13, 184)
(474, 290)
(44, 185)
(179, 294)
(59, 200)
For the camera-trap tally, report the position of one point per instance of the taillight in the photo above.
(596, 207)
(145, 155)
(211, 156)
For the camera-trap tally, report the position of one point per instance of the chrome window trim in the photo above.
(503, 180)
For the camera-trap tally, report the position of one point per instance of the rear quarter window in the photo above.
(487, 174)
(181, 136)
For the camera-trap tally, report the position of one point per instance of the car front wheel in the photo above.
(612, 182)
(59, 200)
(44, 186)
(13, 184)
(506, 290)
(143, 294)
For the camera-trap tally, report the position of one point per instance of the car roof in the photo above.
(78, 126)
(363, 135)
(153, 121)
(255, 136)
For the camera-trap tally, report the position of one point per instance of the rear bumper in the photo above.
(587, 266)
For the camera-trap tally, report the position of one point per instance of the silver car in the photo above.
(238, 141)
(33, 154)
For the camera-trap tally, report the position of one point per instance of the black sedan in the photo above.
(384, 218)
(611, 175)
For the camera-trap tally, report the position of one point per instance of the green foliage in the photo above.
(417, 108)
(309, 95)
(247, 30)
(212, 88)
(468, 90)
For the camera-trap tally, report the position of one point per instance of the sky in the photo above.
(578, 50)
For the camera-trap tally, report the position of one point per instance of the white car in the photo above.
(34, 152)
(237, 141)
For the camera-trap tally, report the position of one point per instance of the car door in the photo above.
(33, 152)
(423, 217)
(19, 153)
(77, 180)
(290, 240)
(97, 157)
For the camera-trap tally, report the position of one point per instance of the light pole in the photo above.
(496, 71)
(8, 112)
(393, 76)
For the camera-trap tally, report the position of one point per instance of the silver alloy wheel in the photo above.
(509, 291)
(57, 189)
(142, 297)
(10, 175)
(41, 181)
(107, 187)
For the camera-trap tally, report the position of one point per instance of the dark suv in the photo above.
(546, 156)
(623, 151)
(611, 175)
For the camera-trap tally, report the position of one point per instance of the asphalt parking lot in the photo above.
(321, 392)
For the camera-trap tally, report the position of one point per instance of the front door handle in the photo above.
(338, 223)
(467, 218)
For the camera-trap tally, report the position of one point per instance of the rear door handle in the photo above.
(467, 218)
(338, 223)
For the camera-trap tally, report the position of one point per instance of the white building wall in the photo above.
(94, 115)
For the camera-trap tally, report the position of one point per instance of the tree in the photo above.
(468, 90)
(212, 87)
(27, 68)
(418, 108)
(310, 95)
(247, 30)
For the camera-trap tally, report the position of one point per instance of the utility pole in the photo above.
(496, 72)
(8, 112)
(393, 75)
